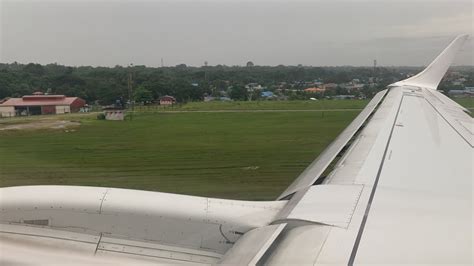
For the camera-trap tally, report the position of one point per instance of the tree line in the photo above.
(104, 85)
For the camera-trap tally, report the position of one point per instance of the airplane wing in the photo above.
(394, 188)
(401, 188)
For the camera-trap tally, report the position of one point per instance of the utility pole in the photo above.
(375, 66)
(130, 92)
(162, 64)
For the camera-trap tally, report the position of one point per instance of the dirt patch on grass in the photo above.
(41, 124)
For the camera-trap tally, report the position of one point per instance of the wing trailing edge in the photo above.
(431, 76)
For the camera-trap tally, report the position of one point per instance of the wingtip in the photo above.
(462, 36)
(431, 76)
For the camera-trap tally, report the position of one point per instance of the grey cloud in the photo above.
(230, 32)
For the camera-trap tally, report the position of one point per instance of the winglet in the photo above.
(431, 76)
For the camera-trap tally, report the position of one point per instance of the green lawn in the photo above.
(231, 155)
(466, 102)
(240, 155)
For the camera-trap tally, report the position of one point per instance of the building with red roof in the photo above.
(167, 100)
(39, 103)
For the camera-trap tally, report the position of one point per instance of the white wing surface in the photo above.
(401, 193)
(96, 224)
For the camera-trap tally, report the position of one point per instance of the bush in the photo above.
(101, 116)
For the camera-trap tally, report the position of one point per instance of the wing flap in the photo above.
(327, 204)
(252, 246)
(317, 167)
(112, 246)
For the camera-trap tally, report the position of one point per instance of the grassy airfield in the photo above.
(262, 105)
(239, 155)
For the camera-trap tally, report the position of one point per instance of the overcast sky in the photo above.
(231, 32)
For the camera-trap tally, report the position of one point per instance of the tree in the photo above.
(35, 69)
(239, 93)
(250, 64)
(142, 95)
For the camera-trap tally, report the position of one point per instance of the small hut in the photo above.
(167, 100)
(114, 113)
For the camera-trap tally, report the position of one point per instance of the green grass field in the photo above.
(262, 105)
(240, 155)
(466, 102)
(232, 155)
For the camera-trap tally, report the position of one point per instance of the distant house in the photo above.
(317, 83)
(225, 99)
(314, 90)
(167, 100)
(467, 92)
(267, 94)
(329, 86)
(253, 87)
(343, 97)
(209, 98)
(40, 104)
(352, 86)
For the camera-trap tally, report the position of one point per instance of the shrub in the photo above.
(101, 116)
